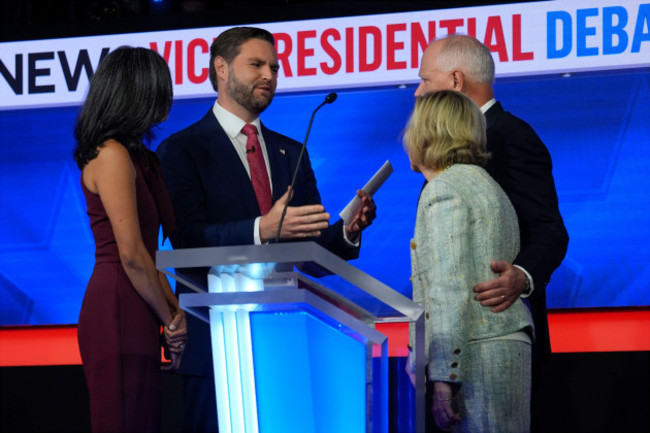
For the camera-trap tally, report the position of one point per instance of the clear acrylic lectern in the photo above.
(293, 338)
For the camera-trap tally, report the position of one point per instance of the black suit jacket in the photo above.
(215, 204)
(521, 164)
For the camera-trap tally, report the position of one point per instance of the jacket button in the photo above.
(426, 315)
(413, 245)
(452, 376)
(454, 364)
(457, 352)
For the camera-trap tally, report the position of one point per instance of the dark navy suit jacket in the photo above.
(522, 166)
(215, 204)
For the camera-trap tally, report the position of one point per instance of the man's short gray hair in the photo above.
(468, 55)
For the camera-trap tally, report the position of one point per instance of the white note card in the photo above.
(375, 182)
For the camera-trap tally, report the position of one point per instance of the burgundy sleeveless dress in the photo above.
(118, 333)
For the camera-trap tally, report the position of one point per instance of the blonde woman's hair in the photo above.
(446, 128)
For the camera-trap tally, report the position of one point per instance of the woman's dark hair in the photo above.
(130, 93)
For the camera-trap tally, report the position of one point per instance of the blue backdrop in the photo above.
(595, 126)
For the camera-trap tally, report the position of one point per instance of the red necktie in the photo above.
(259, 175)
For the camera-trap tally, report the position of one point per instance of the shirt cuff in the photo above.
(352, 242)
(256, 232)
(530, 280)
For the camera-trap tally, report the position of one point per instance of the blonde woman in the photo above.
(477, 361)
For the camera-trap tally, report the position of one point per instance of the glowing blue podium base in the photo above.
(293, 352)
(309, 373)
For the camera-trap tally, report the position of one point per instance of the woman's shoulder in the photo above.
(112, 159)
(112, 148)
(464, 170)
(457, 177)
(111, 155)
(461, 181)
(465, 175)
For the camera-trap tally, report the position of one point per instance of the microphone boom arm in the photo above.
(328, 100)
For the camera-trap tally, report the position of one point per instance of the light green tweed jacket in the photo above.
(464, 221)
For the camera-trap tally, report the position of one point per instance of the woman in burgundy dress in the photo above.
(127, 299)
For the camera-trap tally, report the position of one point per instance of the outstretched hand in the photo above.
(364, 217)
(299, 222)
(503, 291)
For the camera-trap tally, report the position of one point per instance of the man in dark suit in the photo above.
(521, 164)
(223, 197)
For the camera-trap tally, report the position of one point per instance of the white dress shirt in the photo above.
(233, 125)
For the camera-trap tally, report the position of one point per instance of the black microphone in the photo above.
(328, 100)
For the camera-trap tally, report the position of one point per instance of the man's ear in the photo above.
(457, 80)
(221, 68)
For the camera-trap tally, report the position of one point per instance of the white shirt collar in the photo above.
(488, 105)
(230, 122)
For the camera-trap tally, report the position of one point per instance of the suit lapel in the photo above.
(279, 161)
(223, 152)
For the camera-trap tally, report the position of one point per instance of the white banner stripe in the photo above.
(373, 50)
